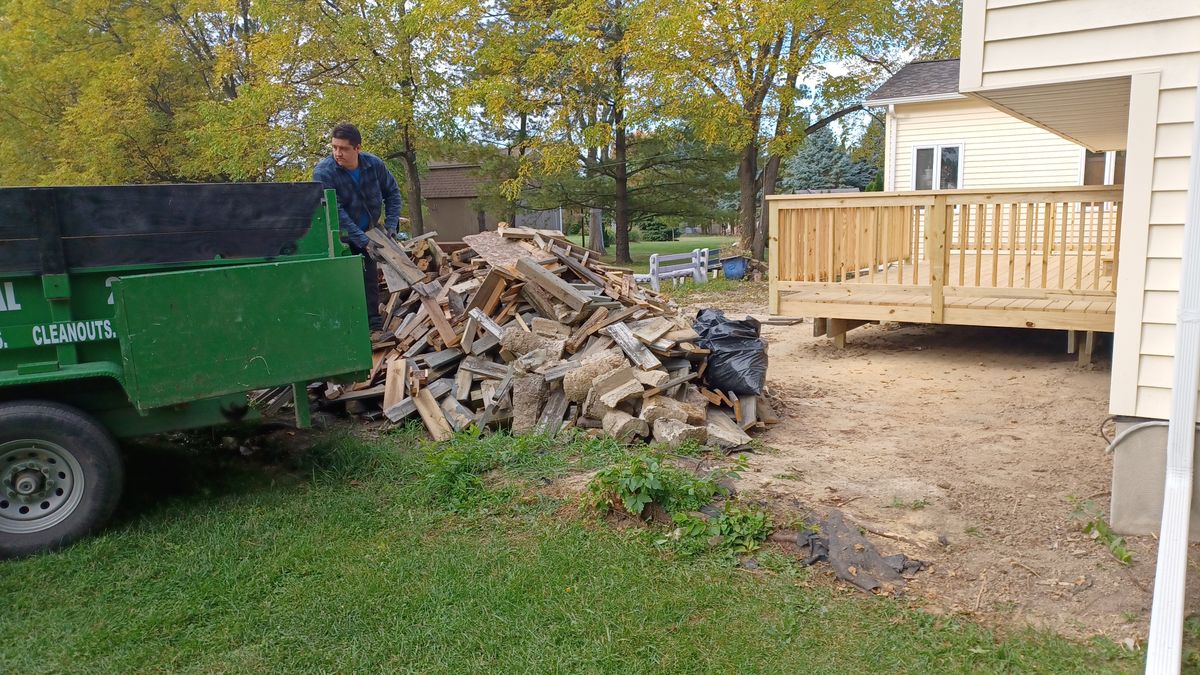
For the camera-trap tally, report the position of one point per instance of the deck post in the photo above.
(773, 253)
(936, 235)
(1085, 348)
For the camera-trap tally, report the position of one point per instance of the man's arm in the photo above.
(391, 200)
(350, 231)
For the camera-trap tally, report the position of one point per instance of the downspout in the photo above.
(889, 171)
(1164, 646)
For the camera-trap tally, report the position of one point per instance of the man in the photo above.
(364, 185)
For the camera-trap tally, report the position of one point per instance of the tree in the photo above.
(98, 91)
(735, 67)
(820, 164)
(572, 60)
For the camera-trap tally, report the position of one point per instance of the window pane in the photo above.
(1119, 168)
(949, 171)
(923, 176)
(1093, 168)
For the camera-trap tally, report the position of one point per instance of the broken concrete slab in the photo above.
(662, 407)
(617, 386)
(623, 426)
(529, 393)
(578, 382)
(675, 433)
(723, 432)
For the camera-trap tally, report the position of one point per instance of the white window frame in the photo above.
(937, 156)
(1110, 165)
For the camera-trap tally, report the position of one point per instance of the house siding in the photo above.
(998, 149)
(1019, 43)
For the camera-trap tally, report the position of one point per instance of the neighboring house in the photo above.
(450, 192)
(938, 138)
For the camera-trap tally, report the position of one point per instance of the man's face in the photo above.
(345, 153)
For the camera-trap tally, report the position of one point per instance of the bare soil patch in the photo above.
(967, 446)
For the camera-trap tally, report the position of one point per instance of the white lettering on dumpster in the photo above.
(8, 298)
(76, 331)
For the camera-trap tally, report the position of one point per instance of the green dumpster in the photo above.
(130, 310)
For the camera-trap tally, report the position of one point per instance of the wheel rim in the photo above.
(41, 484)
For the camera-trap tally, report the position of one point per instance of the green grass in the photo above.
(353, 562)
(640, 251)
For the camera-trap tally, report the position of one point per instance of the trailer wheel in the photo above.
(60, 476)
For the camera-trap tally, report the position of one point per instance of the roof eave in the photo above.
(950, 96)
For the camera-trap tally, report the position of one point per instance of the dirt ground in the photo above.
(968, 447)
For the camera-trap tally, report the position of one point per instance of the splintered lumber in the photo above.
(478, 366)
(408, 406)
(393, 388)
(748, 412)
(593, 323)
(636, 351)
(488, 295)
(547, 281)
(521, 326)
(457, 414)
(552, 416)
(669, 384)
(485, 322)
(432, 415)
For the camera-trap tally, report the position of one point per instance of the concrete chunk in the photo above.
(623, 426)
(675, 433)
(723, 432)
(662, 407)
(578, 382)
(619, 385)
(529, 393)
(521, 342)
(652, 378)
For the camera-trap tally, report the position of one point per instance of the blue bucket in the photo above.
(734, 268)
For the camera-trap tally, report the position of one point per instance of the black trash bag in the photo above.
(738, 361)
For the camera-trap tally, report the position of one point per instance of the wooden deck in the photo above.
(1030, 259)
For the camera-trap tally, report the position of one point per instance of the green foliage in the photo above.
(1095, 526)
(823, 164)
(736, 530)
(656, 230)
(641, 479)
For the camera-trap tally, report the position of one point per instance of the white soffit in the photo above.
(1093, 113)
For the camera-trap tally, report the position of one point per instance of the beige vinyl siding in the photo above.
(1085, 50)
(998, 149)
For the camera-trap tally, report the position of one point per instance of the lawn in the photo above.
(640, 250)
(391, 555)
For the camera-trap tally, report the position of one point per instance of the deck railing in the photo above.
(1045, 242)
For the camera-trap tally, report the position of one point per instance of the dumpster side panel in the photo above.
(205, 333)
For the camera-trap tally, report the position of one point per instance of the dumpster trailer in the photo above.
(133, 310)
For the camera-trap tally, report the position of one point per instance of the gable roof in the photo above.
(450, 182)
(919, 81)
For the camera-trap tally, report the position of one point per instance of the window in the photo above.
(1104, 168)
(937, 167)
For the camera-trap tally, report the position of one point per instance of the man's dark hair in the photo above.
(347, 132)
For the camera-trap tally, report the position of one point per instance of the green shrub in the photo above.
(642, 479)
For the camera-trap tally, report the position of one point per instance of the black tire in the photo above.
(60, 476)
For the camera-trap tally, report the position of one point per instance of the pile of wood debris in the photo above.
(522, 328)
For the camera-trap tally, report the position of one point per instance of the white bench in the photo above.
(696, 268)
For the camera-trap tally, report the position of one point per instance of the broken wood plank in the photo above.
(635, 350)
(669, 384)
(433, 417)
(549, 282)
(552, 415)
(486, 323)
(478, 366)
(457, 414)
(393, 384)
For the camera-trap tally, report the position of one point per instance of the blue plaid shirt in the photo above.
(376, 190)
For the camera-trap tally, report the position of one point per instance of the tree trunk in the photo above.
(596, 232)
(748, 198)
(770, 178)
(621, 193)
(413, 179)
(481, 220)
